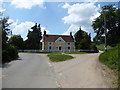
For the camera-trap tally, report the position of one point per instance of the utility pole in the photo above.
(105, 29)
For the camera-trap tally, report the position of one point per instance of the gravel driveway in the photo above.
(83, 71)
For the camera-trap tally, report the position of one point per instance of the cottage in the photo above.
(61, 43)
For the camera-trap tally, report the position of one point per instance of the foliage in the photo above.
(112, 20)
(9, 52)
(17, 41)
(82, 40)
(101, 47)
(34, 37)
(111, 58)
(59, 57)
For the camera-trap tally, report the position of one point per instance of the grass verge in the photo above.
(59, 57)
(111, 58)
(77, 53)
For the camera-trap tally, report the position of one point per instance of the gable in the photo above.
(60, 39)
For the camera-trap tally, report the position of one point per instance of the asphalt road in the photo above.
(30, 71)
(37, 71)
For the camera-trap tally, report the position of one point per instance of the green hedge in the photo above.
(9, 54)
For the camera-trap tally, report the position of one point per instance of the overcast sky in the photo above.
(55, 17)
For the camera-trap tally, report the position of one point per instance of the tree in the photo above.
(112, 18)
(82, 40)
(9, 52)
(17, 41)
(34, 37)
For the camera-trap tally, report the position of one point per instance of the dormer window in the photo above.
(60, 40)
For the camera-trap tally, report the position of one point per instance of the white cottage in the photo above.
(61, 43)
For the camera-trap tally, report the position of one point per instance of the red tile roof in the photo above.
(53, 38)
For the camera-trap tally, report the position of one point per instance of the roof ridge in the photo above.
(57, 35)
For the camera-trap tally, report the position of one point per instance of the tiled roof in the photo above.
(53, 38)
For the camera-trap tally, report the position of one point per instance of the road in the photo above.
(30, 71)
(84, 71)
(37, 71)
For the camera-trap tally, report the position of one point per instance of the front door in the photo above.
(60, 48)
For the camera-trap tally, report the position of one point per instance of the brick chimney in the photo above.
(44, 32)
(70, 33)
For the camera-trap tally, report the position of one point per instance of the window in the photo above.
(49, 47)
(68, 47)
(68, 43)
(60, 40)
(50, 43)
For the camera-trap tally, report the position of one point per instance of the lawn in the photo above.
(76, 53)
(59, 57)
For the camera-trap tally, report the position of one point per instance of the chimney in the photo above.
(70, 33)
(44, 32)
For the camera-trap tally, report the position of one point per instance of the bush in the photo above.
(13, 53)
(9, 54)
(93, 47)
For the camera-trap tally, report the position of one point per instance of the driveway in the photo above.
(30, 71)
(83, 71)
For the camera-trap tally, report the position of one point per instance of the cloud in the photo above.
(27, 4)
(66, 5)
(23, 27)
(80, 14)
(1, 9)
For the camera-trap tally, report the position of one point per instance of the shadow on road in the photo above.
(6, 65)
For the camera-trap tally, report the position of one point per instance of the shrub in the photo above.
(93, 47)
(9, 54)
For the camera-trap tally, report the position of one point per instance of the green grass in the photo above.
(76, 53)
(111, 58)
(101, 47)
(59, 57)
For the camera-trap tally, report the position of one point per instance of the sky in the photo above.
(59, 18)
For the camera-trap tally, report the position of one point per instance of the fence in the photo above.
(41, 51)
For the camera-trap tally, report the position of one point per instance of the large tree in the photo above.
(82, 40)
(111, 15)
(9, 52)
(17, 41)
(34, 37)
